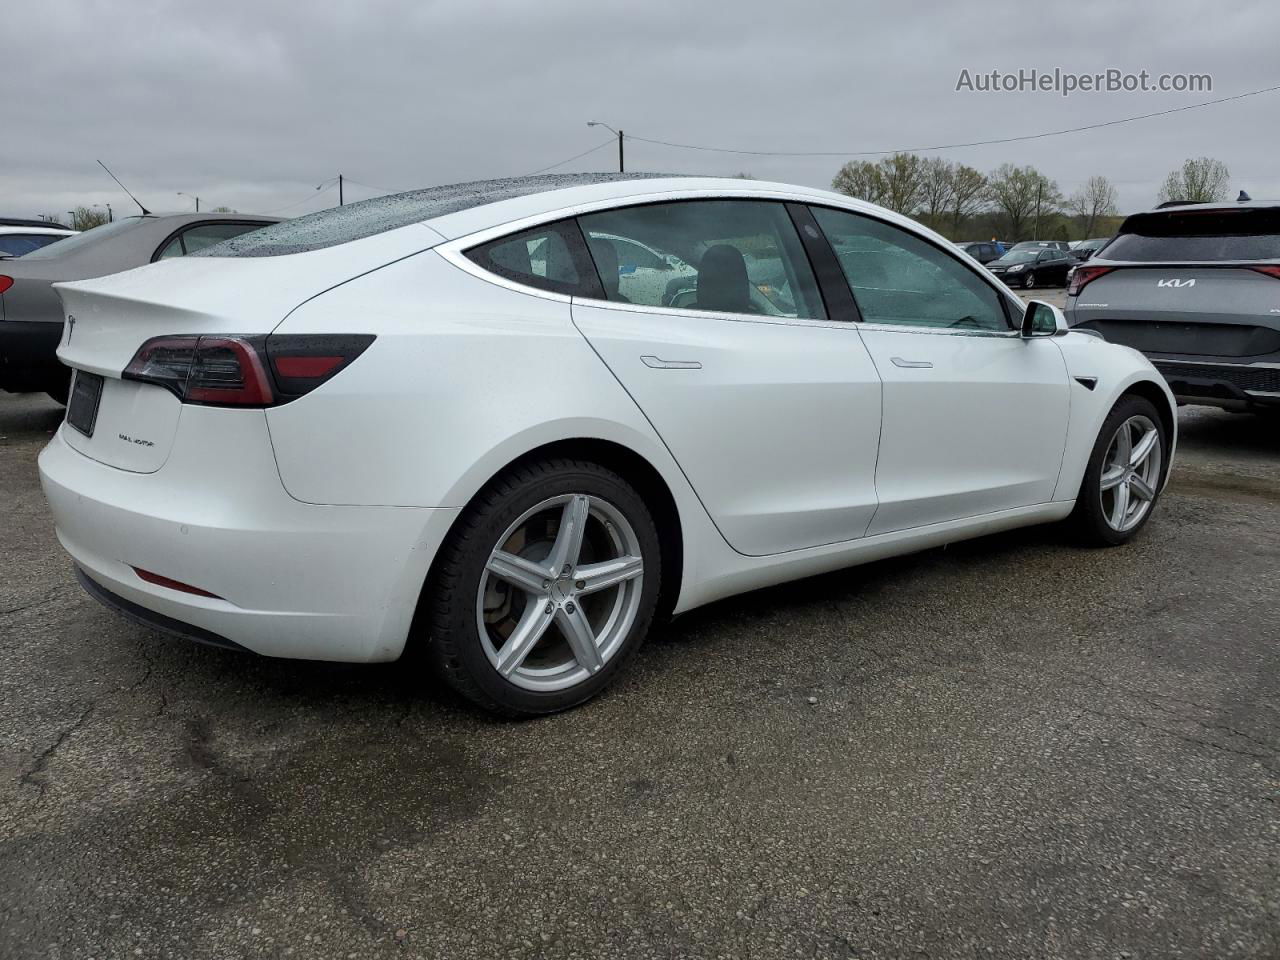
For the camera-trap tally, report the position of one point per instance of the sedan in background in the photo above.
(31, 317)
(1033, 267)
(436, 421)
(18, 241)
(1197, 289)
(1089, 248)
(982, 251)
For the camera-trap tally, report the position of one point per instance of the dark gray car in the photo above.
(31, 313)
(1197, 289)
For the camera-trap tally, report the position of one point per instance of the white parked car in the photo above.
(435, 421)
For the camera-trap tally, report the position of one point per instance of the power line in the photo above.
(599, 146)
(328, 185)
(944, 146)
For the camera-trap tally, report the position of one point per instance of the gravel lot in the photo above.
(1018, 748)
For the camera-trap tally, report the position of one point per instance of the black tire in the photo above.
(1088, 521)
(453, 645)
(1029, 281)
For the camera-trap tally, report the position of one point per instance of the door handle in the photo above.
(911, 364)
(659, 364)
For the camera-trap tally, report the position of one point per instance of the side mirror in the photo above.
(1043, 320)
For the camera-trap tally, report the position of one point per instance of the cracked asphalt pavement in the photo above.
(1011, 747)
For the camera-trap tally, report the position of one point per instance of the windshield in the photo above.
(1019, 256)
(86, 239)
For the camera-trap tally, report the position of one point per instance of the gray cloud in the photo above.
(252, 104)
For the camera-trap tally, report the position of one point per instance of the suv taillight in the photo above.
(1271, 270)
(1081, 275)
(237, 371)
(5, 283)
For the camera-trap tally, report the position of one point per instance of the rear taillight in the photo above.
(1271, 270)
(236, 371)
(5, 283)
(1082, 275)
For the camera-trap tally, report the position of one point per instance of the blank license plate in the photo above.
(82, 411)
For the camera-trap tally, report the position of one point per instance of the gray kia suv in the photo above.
(1197, 289)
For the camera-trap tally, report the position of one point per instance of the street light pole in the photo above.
(339, 189)
(191, 196)
(622, 167)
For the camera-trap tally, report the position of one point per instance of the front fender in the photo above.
(1114, 370)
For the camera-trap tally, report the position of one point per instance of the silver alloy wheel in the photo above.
(1130, 475)
(560, 592)
(1029, 281)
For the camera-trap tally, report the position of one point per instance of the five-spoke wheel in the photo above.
(545, 587)
(1131, 473)
(560, 593)
(1124, 475)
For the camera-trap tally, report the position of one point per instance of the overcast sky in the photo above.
(252, 104)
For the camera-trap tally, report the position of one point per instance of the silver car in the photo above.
(1197, 289)
(30, 312)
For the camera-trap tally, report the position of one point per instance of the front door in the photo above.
(974, 416)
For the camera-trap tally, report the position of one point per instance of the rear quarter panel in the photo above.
(464, 377)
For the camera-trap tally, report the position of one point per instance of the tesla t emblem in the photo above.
(1175, 283)
(71, 327)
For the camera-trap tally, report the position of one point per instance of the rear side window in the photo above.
(548, 257)
(724, 256)
(899, 278)
(1199, 235)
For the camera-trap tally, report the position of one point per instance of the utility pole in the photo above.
(1039, 192)
(622, 167)
(339, 189)
(110, 217)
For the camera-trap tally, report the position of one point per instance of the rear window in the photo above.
(18, 244)
(86, 239)
(355, 221)
(1199, 235)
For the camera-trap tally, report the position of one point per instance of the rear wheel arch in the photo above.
(637, 470)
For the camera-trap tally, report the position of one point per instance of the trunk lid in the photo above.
(107, 319)
(1223, 310)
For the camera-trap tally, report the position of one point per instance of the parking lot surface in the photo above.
(1011, 747)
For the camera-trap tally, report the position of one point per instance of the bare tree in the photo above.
(936, 186)
(1095, 200)
(223, 210)
(83, 218)
(860, 179)
(1024, 195)
(1199, 180)
(903, 182)
(968, 193)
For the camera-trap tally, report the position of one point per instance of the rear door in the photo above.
(770, 406)
(975, 417)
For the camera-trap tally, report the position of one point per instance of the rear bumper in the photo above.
(290, 579)
(28, 356)
(1221, 384)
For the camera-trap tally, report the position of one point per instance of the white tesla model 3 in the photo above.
(437, 421)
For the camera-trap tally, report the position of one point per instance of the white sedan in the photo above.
(442, 421)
